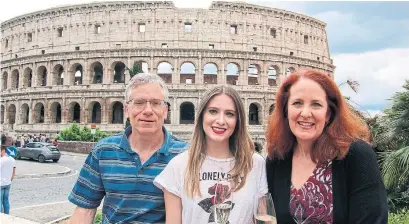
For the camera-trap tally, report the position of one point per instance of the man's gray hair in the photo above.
(144, 78)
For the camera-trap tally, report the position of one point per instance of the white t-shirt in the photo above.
(231, 207)
(7, 164)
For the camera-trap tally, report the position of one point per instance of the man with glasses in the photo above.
(122, 168)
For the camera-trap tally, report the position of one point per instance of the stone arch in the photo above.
(210, 71)
(187, 73)
(117, 115)
(28, 78)
(97, 73)
(272, 74)
(118, 68)
(56, 112)
(168, 120)
(253, 73)
(4, 79)
(271, 108)
(39, 113)
(289, 71)
(187, 113)
(77, 74)
(255, 114)
(58, 75)
(42, 76)
(12, 114)
(15, 79)
(232, 73)
(165, 70)
(74, 113)
(95, 112)
(2, 114)
(25, 114)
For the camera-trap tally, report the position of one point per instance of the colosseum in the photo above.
(67, 64)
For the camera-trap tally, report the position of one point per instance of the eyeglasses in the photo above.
(140, 103)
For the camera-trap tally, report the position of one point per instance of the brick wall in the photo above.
(77, 147)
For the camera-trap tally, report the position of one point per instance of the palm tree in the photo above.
(393, 135)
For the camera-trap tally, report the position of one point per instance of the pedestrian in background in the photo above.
(120, 169)
(321, 168)
(7, 171)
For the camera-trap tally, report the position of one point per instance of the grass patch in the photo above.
(400, 217)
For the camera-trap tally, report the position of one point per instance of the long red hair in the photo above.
(343, 127)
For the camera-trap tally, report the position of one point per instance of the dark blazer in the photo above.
(359, 195)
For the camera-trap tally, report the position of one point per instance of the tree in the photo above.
(393, 137)
(136, 69)
(76, 133)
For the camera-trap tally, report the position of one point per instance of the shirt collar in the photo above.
(164, 149)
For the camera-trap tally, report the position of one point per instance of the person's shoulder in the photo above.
(180, 159)
(109, 141)
(176, 145)
(258, 158)
(360, 149)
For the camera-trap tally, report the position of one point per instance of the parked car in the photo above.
(39, 150)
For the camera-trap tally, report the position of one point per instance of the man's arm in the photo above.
(14, 173)
(83, 216)
(173, 208)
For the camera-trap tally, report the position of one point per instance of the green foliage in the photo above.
(400, 217)
(98, 217)
(76, 133)
(396, 168)
(390, 134)
(136, 69)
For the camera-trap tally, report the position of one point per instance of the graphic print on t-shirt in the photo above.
(220, 204)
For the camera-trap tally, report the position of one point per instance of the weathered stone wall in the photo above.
(41, 53)
(77, 147)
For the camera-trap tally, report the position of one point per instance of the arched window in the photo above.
(210, 73)
(232, 75)
(117, 113)
(165, 70)
(187, 73)
(253, 115)
(187, 113)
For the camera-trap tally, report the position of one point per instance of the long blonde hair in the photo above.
(240, 144)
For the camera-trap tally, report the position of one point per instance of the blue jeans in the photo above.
(4, 199)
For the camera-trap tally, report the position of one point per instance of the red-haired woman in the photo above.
(320, 168)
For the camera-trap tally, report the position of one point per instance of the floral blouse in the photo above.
(312, 203)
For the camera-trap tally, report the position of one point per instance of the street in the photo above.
(45, 199)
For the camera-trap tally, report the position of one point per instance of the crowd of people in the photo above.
(319, 166)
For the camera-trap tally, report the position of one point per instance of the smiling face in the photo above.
(219, 119)
(307, 110)
(148, 120)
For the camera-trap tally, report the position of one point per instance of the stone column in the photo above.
(221, 77)
(244, 75)
(47, 113)
(199, 74)
(84, 111)
(175, 72)
(175, 112)
(246, 108)
(31, 113)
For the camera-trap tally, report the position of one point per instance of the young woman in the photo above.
(321, 170)
(218, 178)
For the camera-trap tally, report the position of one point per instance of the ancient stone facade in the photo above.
(67, 64)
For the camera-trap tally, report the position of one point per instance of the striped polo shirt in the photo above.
(114, 171)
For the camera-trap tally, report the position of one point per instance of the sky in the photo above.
(368, 41)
